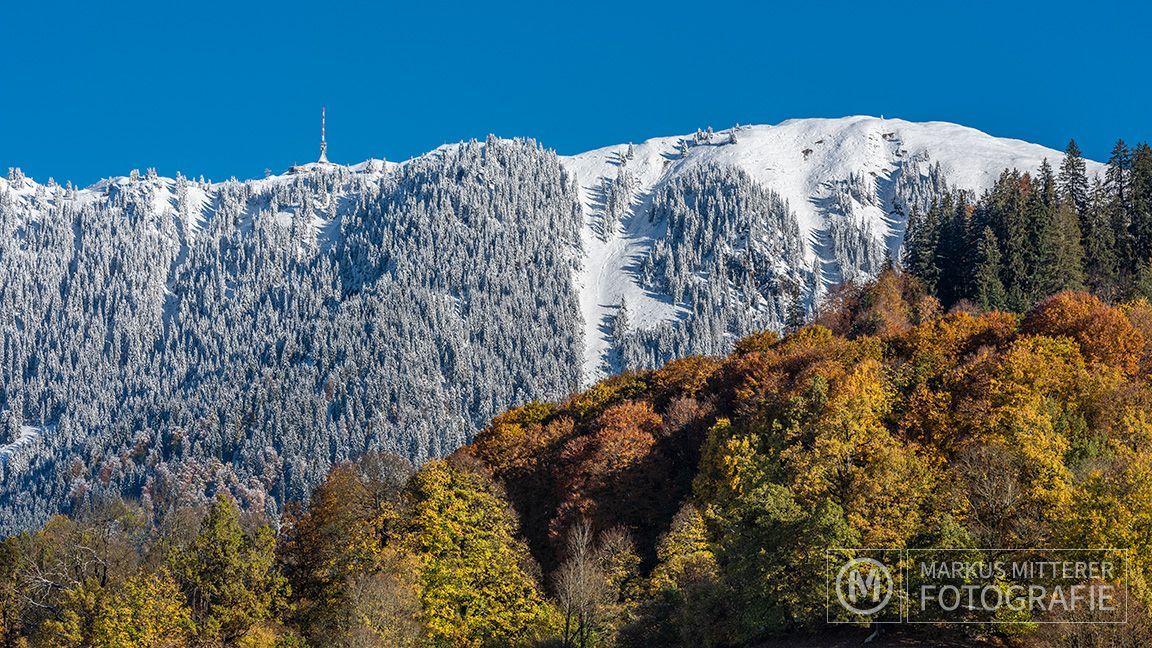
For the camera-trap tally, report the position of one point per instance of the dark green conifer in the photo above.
(1119, 211)
(1013, 228)
(988, 289)
(1062, 266)
(1100, 256)
(1073, 180)
(954, 254)
(1141, 202)
(921, 239)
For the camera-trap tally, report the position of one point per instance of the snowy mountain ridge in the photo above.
(800, 159)
(163, 336)
(803, 160)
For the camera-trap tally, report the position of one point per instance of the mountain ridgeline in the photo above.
(170, 339)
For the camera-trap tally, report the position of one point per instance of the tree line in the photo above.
(1032, 235)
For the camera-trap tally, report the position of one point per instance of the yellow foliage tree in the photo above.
(148, 611)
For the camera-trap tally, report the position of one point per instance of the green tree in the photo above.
(1063, 260)
(685, 554)
(953, 256)
(1118, 206)
(229, 575)
(1059, 255)
(920, 241)
(1101, 258)
(1141, 203)
(987, 288)
(1010, 220)
(1073, 180)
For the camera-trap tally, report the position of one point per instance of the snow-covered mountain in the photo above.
(170, 337)
(858, 173)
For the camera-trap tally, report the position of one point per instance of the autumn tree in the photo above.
(11, 602)
(596, 586)
(147, 611)
(600, 468)
(384, 605)
(683, 597)
(69, 565)
(228, 575)
(475, 586)
(1103, 333)
(338, 537)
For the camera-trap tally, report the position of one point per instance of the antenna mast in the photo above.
(323, 143)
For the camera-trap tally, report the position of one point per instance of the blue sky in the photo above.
(230, 88)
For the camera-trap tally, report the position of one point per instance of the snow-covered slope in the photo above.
(803, 160)
(844, 169)
(252, 332)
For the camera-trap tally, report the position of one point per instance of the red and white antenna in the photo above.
(323, 143)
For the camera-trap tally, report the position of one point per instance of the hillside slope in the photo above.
(885, 424)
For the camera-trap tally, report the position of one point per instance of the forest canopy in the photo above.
(684, 506)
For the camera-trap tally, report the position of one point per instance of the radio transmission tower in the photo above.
(323, 143)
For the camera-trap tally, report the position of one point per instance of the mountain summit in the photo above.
(849, 184)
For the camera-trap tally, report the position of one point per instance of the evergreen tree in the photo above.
(1063, 254)
(921, 241)
(1074, 179)
(1140, 198)
(1039, 213)
(953, 256)
(1100, 255)
(1013, 227)
(1044, 254)
(797, 313)
(1143, 285)
(988, 289)
(1118, 210)
(229, 575)
(273, 328)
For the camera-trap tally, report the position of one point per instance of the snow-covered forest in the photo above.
(172, 338)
